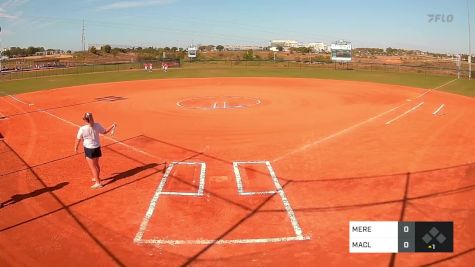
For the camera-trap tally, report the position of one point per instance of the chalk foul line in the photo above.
(405, 113)
(306, 146)
(105, 136)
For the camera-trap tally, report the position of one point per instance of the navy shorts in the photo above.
(93, 152)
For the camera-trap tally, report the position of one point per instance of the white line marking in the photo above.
(182, 103)
(278, 187)
(288, 208)
(61, 119)
(105, 136)
(251, 162)
(18, 100)
(223, 241)
(438, 87)
(201, 185)
(257, 193)
(439, 109)
(159, 191)
(153, 203)
(405, 113)
(143, 226)
(237, 174)
(306, 146)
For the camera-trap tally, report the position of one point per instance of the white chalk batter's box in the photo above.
(182, 212)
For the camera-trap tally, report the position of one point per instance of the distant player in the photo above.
(89, 133)
(150, 67)
(145, 65)
(165, 67)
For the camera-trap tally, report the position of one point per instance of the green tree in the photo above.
(106, 48)
(115, 51)
(31, 50)
(280, 48)
(249, 55)
(390, 50)
(93, 50)
(220, 48)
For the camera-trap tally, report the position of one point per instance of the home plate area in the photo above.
(189, 208)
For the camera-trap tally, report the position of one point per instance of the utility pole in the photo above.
(83, 38)
(1, 50)
(469, 45)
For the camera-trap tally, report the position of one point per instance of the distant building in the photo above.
(99, 46)
(287, 44)
(50, 52)
(284, 43)
(242, 47)
(318, 47)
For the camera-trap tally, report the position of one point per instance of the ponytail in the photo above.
(89, 118)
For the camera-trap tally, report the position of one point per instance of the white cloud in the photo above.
(12, 4)
(7, 6)
(5, 15)
(133, 4)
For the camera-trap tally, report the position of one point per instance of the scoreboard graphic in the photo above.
(395, 237)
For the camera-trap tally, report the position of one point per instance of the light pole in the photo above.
(469, 45)
(1, 50)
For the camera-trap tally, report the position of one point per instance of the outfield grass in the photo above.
(463, 86)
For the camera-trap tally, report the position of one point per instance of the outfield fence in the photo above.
(69, 68)
(351, 66)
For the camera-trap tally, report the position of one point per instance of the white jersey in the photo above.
(90, 135)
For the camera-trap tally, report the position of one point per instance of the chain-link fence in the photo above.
(69, 68)
(358, 66)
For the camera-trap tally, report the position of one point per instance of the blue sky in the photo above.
(366, 23)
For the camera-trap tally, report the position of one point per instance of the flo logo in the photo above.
(443, 18)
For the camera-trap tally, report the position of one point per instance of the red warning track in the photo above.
(271, 177)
